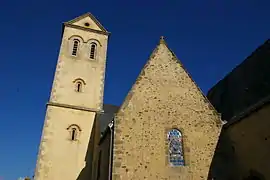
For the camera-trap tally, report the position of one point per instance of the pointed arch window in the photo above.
(75, 47)
(93, 50)
(175, 143)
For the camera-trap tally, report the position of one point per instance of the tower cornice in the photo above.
(74, 107)
(86, 29)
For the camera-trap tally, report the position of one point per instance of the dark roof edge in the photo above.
(107, 130)
(237, 66)
(105, 108)
(247, 112)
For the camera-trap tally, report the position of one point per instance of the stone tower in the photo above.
(76, 98)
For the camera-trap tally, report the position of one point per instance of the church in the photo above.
(165, 128)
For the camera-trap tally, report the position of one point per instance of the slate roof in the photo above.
(261, 104)
(245, 86)
(106, 117)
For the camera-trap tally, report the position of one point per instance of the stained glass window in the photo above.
(176, 157)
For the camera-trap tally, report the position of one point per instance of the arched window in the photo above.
(78, 86)
(76, 43)
(93, 49)
(73, 132)
(79, 83)
(175, 142)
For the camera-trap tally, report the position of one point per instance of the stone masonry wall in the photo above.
(164, 97)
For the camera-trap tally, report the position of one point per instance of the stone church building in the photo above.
(165, 128)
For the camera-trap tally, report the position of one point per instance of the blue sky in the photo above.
(209, 37)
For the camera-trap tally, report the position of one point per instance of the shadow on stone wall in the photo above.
(224, 164)
(86, 172)
(254, 175)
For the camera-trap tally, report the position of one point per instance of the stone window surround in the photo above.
(79, 81)
(77, 133)
(93, 50)
(75, 50)
(172, 132)
(84, 45)
(186, 149)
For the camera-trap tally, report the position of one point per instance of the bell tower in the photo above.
(76, 97)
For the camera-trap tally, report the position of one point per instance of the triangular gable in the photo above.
(162, 42)
(87, 21)
(164, 98)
